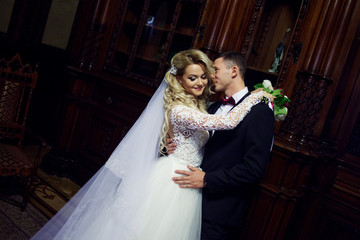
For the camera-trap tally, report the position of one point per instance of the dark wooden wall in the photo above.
(311, 188)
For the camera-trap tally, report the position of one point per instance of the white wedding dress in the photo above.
(172, 212)
(154, 208)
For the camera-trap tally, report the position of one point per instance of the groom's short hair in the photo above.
(234, 59)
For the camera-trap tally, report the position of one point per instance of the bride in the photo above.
(133, 196)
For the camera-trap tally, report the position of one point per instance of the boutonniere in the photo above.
(281, 102)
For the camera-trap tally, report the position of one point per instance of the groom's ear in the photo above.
(234, 71)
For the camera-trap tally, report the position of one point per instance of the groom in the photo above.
(234, 160)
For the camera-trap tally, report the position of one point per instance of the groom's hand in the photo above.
(191, 179)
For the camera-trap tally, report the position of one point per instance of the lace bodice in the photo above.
(190, 128)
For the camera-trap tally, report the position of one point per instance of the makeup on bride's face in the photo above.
(194, 80)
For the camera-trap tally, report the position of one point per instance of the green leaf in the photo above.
(277, 92)
(259, 85)
(281, 110)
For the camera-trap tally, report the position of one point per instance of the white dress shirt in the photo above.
(224, 109)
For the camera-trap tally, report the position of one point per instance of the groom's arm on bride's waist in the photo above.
(194, 178)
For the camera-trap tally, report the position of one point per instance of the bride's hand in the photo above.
(257, 90)
(265, 94)
(268, 95)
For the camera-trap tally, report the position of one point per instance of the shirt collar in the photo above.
(239, 95)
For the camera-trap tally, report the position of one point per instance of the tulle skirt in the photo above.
(170, 212)
(164, 211)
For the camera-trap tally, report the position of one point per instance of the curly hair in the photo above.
(175, 94)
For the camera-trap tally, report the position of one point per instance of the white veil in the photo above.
(117, 189)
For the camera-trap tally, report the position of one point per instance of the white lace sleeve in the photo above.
(189, 118)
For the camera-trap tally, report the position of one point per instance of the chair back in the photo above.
(17, 82)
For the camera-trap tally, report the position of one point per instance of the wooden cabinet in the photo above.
(150, 33)
(273, 37)
(307, 192)
(98, 114)
(119, 50)
(137, 39)
(126, 49)
(255, 29)
(274, 31)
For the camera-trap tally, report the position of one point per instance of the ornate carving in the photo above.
(94, 35)
(297, 51)
(163, 49)
(201, 31)
(250, 29)
(286, 61)
(142, 20)
(90, 49)
(309, 93)
(261, 40)
(114, 35)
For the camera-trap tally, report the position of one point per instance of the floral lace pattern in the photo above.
(190, 128)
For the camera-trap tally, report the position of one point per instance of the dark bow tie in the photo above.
(225, 101)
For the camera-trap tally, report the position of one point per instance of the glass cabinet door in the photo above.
(150, 32)
(272, 39)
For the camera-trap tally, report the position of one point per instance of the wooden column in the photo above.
(95, 33)
(298, 184)
(316, 82)
(229, 24)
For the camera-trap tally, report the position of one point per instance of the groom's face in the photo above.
(222, 76)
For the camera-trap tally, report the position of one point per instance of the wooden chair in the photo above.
(17, 82)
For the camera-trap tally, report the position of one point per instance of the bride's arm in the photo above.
(193, 119)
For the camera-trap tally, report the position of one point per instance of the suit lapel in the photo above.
(214, 107)
(242, 99)
(212, 110)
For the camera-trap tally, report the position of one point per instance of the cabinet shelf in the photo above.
(148, 59)
(151, 34)
(182, 31)
(157, 28)
(140, 56)
(185, 33)
(255, 75)
(262, 71)
(275, 27)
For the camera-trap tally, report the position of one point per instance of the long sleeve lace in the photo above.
(187, 118)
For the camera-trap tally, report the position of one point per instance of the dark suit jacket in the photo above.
(234, 162)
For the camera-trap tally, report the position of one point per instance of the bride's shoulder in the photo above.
(181, 110)
(179, 107)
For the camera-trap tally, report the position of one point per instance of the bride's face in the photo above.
(194, 79)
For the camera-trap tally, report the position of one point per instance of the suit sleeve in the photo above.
(258, 130)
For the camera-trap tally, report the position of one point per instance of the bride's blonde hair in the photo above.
(175, 94)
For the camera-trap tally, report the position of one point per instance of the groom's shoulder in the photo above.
(261, 109)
